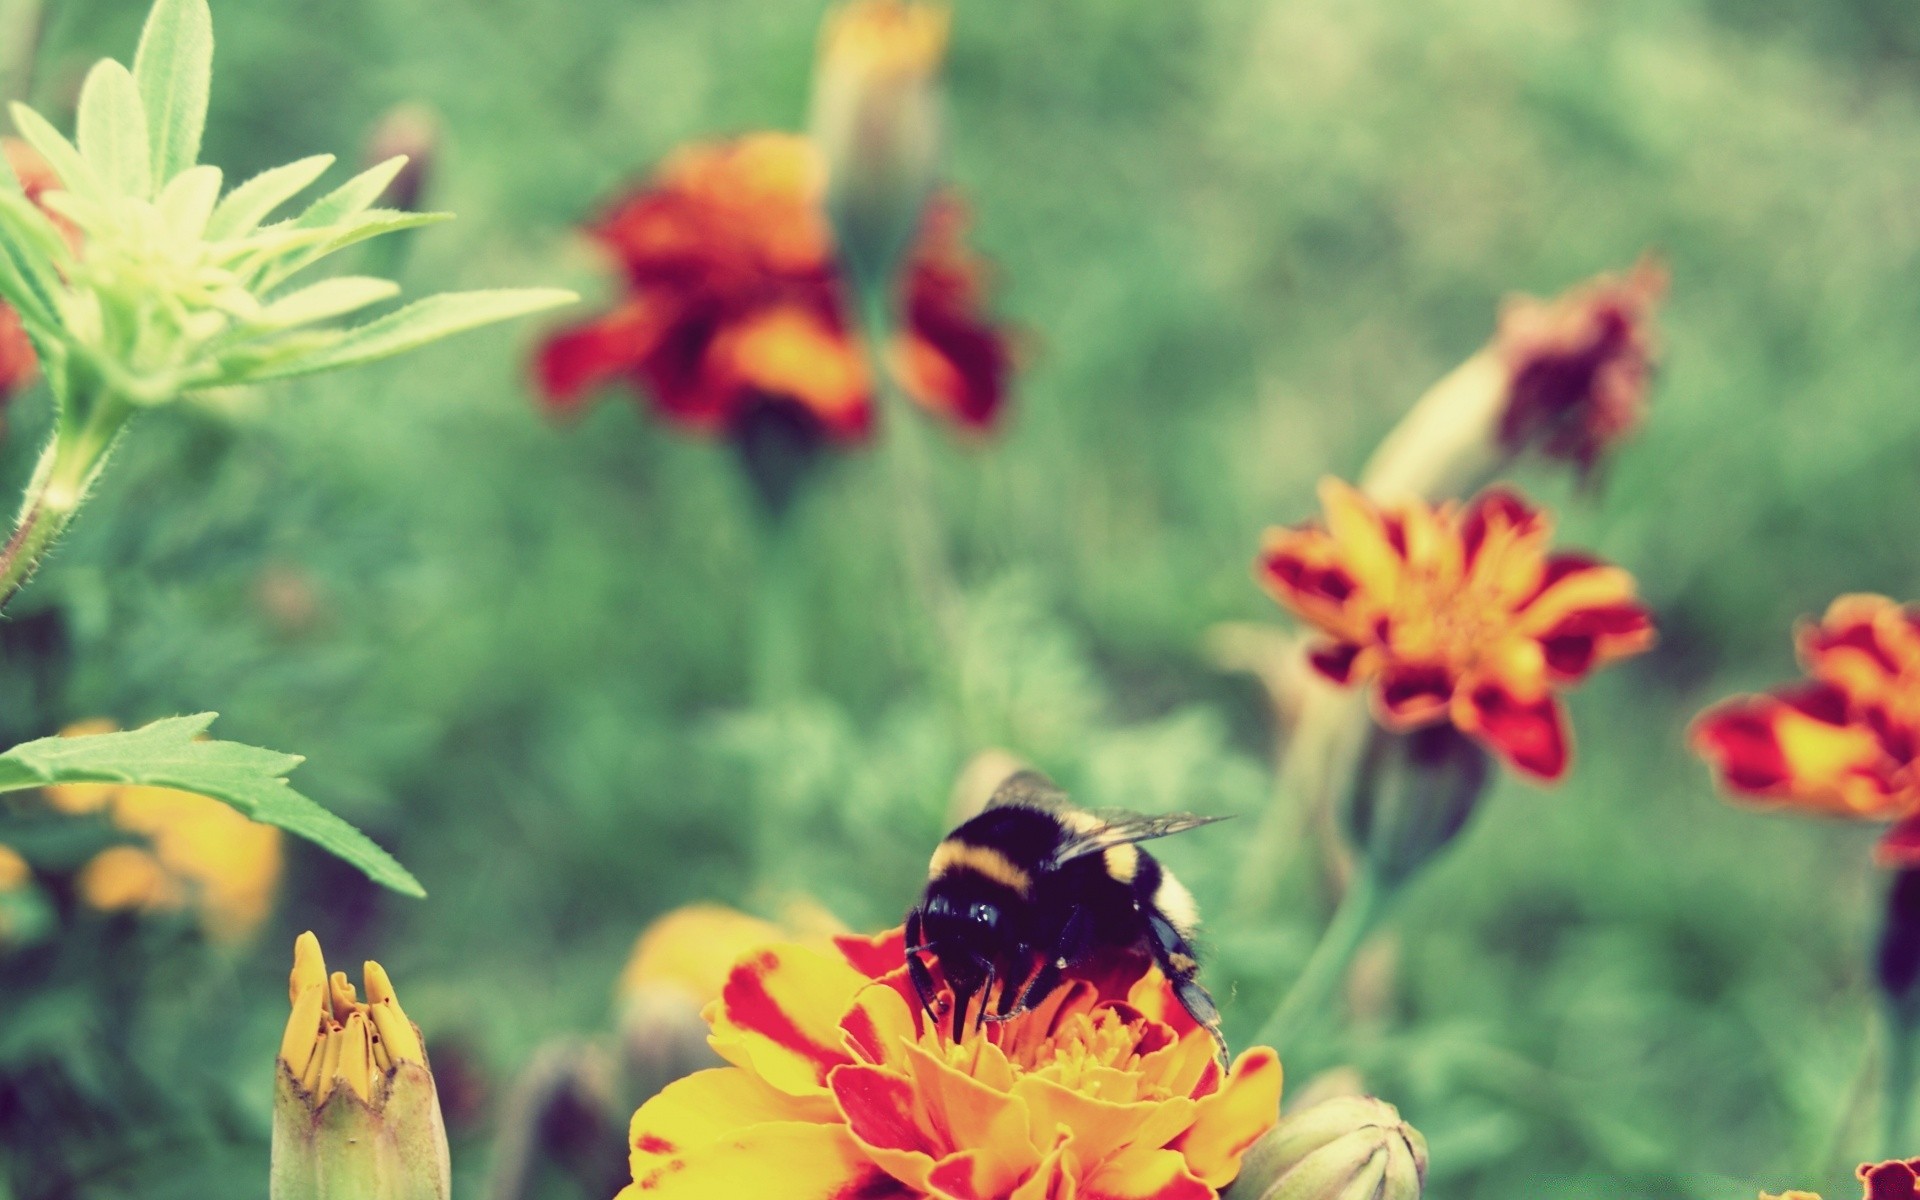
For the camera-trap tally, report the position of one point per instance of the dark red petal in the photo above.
(879, 1107)
(1891, 1180)
(1900, 847)
(1517, 513)
(1415, 692)
(1335, 661)
(1531, 737)
(574, 361)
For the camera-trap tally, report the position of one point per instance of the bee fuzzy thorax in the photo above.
(954, 856)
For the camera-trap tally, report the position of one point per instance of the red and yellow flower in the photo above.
(1578, 366)
(840, 1087)
(734, 301)
(1456, 613)
(18, 363)
(1845, 743)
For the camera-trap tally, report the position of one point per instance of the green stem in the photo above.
(778, 637)
(68, 467)
(1896, 1082)
(1358, 914)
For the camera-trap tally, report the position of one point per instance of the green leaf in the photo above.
(422, 322)
(186, 203)
(250, 203)
(296, 255)
(24, 297)
(34, 243)
(354, 196)
(324, 300)
(174, 69)
(112, 128)
(169, 754)
(75, 175)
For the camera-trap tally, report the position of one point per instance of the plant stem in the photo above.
(1896, 1083)
(1358, 914)
(67, 469)
(777, 621)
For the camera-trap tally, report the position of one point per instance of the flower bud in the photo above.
(354, 1108)
(1349, 1148)
(1412, 793)
(876, 120)
(1898, 961)
(412, 132)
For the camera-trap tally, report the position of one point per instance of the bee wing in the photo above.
(1117, 828)
(1029, 789)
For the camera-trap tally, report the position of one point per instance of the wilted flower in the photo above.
(1846, 743)
(1567, 376)
(1348, 1148)
(354, 1110)
(734, 305)
(876, 118)
(1456, 614)
(841, 1086)
(194, 851)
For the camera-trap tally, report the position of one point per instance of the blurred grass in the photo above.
(1240, 237)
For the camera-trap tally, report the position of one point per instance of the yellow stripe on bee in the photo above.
(984, 860)
(1123, 862)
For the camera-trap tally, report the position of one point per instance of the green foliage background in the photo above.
(1240, 236)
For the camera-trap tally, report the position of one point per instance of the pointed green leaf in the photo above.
(422, 322)
(325, 300)
(33, 241)
(112, 129)
(174, 68)
(297, 257)
(186, 203)
(251, 203)
(171, 754)
(17, 291)
(354, 196)
(75, 175)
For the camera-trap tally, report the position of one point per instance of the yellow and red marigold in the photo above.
(1578, 365)
(734, 301)
(1896, 1179)
(1456, 613)
(1847, 742)
(840, 1087)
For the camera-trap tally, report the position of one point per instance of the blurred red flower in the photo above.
(1847, 742)
(18, 363)
(734, 301)
(1456, 614)
(1578, 365)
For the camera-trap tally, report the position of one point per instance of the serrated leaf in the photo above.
(374, 223)
(354, 196)
(174, 70)
(112, 130)
(327, 299)
(422, 322)
(253, 201)
(75, 175)
(170, 754)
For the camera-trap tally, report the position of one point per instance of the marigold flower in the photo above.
(355, 1112)
(194, 850)
(1847, 743)
(1578, 365)
(1896, 1179)
(1456, 614)
(734, 303)
(841, 1087)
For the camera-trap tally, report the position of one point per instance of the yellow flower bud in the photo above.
(876, 120)
(1349, 1148)
(355, 1113)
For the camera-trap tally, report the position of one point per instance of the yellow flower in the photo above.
(355, 1111)
(14, 871)
(840, 1087)
(195, 851)
(691, 949)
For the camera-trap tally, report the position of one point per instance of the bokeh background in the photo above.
(1239, 238)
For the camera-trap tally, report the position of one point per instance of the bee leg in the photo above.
(917, 968)
(1070, 947)
(1174, 957)
(986, 992)
(960, 1001)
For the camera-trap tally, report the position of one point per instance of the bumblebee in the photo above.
(1033, 887)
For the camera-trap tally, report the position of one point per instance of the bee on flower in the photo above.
(1847, 741)
(734, 304)
(839, 1085)
(1456, 614)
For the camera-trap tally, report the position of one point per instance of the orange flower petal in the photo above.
(1144, 1174)
(790, 1160)
(780, 1016)
(1231, 1120)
